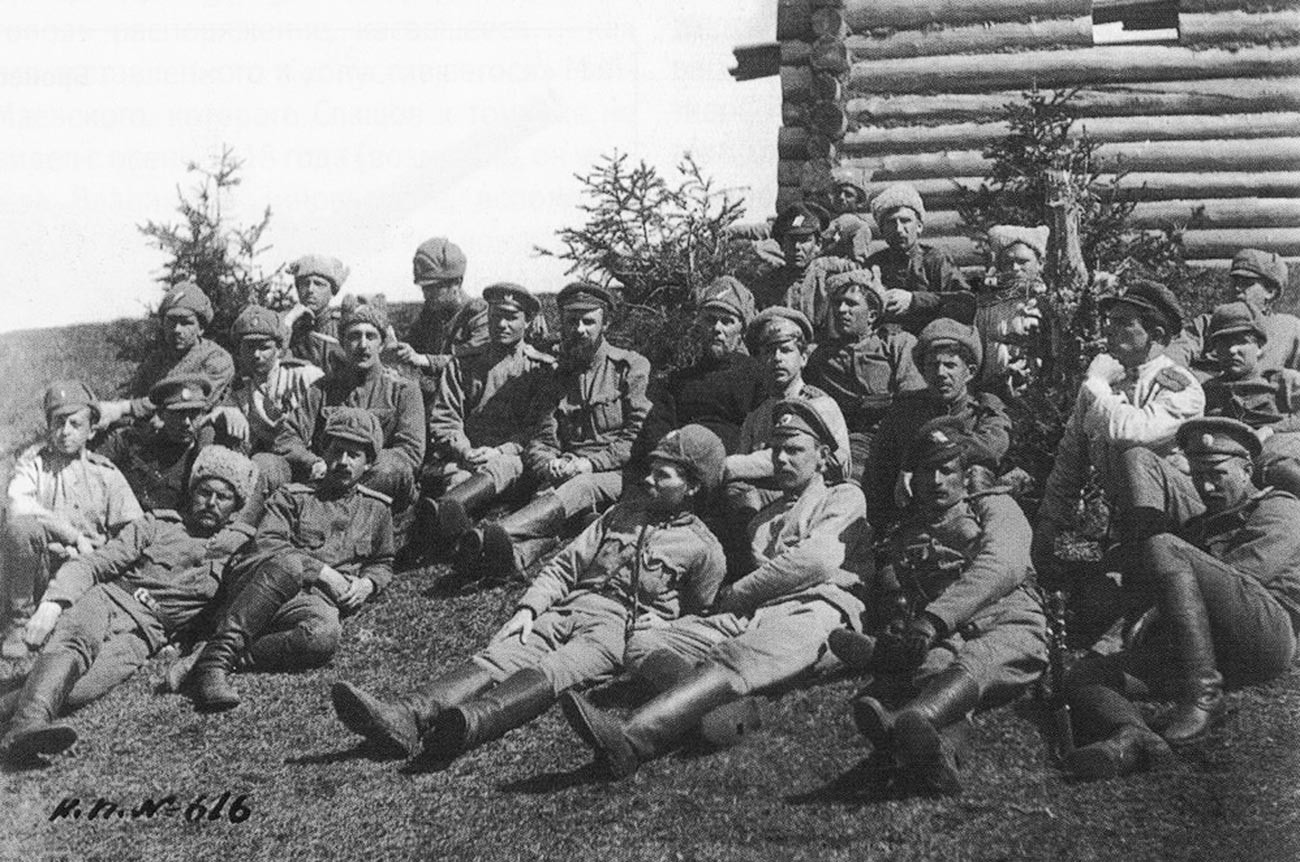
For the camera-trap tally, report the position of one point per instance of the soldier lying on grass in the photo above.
(647, 560)
(112, 609)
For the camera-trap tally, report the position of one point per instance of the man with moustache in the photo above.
(725, 383)
(64, 501)
(185, 314)
(361, 380)
(112, 609)
(590, 413)
(320, 553)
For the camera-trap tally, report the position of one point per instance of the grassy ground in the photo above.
(799, 789)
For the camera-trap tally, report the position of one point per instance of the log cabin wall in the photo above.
(1207, 125)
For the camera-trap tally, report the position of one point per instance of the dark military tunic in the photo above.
(156, 468)
(925, 272)
(863, 376)
(715, 393)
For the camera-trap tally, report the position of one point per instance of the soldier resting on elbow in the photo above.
(1224, 599)
(114, 608)
(647, 560)
(967, 628)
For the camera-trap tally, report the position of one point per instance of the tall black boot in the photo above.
(32, 730)
(499, 559)
(248, 614)
(1182, 609)
(920, 744)
(456, 508)
(854, 649)
(723, 727)
(397, 726)
(1126, 745)
(520, 698)
(659, 725)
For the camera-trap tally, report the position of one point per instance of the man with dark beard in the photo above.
(589, 415)
(721, 387)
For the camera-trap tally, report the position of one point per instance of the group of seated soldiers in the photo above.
(819, 489)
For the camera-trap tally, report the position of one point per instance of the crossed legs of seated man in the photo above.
(1213, 625)
(270, 619)
(516, 678)
(727, 657)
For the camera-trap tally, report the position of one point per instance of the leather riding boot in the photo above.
(721, 728)
(658, 726)
(855, 650)
(1182, 609)
(249, 613)
(919, 744)
(1099, 710)
(396, 726)
(520, 698)
(873, 720)
(456, 507)
(1129, 749)
(32, 730)
(543, 517)
(9, 705)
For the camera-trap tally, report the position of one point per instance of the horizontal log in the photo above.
(794, 113)
(865, 15)
(1267, 154)
(1228, 214)
(1139, 186)
(794, 52)
(826, 87)
(1086, 66)
(1197, 6)
(793, 18)
(979, 39)
(756, 61)
(1233, 28)
(786, 195)
(820, 146)
(1238, 28)
(877, 139)
(1197, 244)
(803, 173)
(1164, 98)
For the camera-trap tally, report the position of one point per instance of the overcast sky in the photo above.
(367, 127)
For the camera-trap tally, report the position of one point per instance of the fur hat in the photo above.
(1003, 236)
(359, 308)
(438, 259)
(218, 462)
(330, 268)
(892, 197)
(187, 296)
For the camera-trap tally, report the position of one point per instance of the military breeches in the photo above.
(589, 493)
(109, 644)
(439, 477)
(1279, 465)
(1149, 482)
(1004, 654)
(393, 476)
(305, 632)
(577, 642)
(777, 644)
(1253, 634)
(26, 563)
